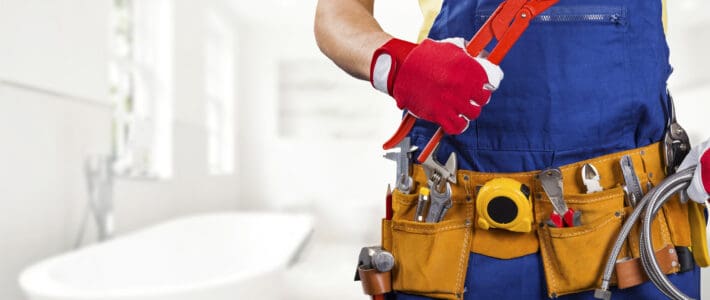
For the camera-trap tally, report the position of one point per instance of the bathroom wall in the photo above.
(341, 179)
(54, 111)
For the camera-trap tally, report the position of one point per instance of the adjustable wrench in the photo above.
(439, 179)
(402, 158)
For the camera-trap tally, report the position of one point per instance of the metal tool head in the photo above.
(402, 158)
(438, 173)
(676, 143)
(506, 24)
(551, 181)
(374, 258)
(590, 178)
(632, 187)
(440, 204)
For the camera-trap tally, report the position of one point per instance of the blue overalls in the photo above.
(587, 78)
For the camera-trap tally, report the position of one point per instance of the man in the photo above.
(585, 83)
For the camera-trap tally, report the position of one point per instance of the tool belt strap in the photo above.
(648, 164)
(573, 257)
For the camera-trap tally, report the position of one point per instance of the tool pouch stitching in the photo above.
(573, 257)
(426, 254)
(586, 248)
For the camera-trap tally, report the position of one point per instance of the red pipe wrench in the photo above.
(506, 24)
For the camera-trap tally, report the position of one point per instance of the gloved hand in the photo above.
(437, 81)
(699, 189)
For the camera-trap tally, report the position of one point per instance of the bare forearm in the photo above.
(347, 32)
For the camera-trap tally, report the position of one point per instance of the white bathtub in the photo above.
(206, 257)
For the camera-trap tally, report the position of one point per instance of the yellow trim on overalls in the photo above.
(430, 9)
(665, 16)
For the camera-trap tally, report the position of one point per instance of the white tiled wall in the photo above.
(60, 47)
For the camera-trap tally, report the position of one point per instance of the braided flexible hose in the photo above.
(649, 205)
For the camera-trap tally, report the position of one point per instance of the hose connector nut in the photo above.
(602, 294)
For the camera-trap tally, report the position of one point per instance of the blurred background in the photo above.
(214, 106)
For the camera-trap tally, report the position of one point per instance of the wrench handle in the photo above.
(431, 145)
(404, 128)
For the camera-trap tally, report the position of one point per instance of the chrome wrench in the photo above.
(439, 181)
(402, 159)
(440, 204)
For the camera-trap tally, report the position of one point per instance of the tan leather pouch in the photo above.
(574, 257)
(696, 215)
(375, 283)
(430, 258)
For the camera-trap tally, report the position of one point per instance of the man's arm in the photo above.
(436, 81)
(347, 32)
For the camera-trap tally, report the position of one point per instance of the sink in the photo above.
(212, 256)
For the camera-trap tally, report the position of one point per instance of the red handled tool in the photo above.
(562, 215)
(506, 25)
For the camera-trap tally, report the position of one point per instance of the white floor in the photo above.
(326, 271)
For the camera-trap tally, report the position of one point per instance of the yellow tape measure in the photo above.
(504, 203)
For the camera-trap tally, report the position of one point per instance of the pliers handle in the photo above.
(506, 24)
(570, 218)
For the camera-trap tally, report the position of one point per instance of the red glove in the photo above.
(699, 188)
(436, 80)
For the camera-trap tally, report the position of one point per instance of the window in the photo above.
(219, 94)
(140, 76)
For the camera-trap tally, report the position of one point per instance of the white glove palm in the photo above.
(699, 189)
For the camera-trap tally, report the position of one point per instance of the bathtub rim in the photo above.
(35, 279)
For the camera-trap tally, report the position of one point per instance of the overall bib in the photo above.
(587, 78)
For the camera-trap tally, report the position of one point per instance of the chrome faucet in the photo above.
(99, 179)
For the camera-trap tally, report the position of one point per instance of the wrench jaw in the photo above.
(402, 158)
(405, 183)
(439, 180)
(440, 204)
(439, 174)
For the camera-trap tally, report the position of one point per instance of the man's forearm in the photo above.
(347, 32)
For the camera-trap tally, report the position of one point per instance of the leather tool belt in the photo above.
(431, 258)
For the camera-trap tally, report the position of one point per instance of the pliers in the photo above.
(561, 216)
(506, 25)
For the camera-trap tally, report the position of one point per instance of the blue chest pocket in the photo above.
(566, 89)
